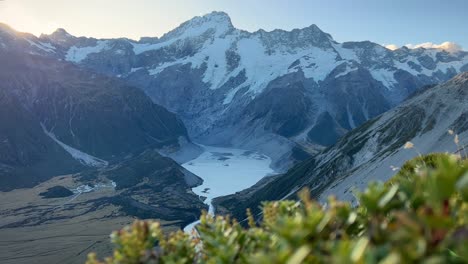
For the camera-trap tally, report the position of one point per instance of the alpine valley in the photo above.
(284, 93)
(97, 132)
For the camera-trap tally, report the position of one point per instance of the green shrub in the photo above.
(420, 216)
(410, 167)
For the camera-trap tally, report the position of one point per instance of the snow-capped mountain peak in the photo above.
(191, 34)
(218, 23)
(60, 32)
(60, 37)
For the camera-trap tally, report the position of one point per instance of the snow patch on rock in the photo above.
(47, 47)
(385, 77)
(80, 156)
(78, 54)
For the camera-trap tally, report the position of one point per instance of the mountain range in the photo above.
(276, 91)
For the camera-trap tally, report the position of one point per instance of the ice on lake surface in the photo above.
(226, 171)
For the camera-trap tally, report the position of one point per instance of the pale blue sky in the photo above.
(386, 22)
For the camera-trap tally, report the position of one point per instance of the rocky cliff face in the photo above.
(373, 151)
(261, 89)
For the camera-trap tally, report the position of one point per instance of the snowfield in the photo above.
(226, 171)
(78, 54)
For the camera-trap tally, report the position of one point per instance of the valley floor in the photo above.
(58, 230)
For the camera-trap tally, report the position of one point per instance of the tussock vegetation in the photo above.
(419, 216)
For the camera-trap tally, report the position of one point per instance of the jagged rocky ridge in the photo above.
(372, 152)
(271, 91)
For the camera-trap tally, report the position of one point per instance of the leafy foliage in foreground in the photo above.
(420, 216)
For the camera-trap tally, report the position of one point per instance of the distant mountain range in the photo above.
(286, 93)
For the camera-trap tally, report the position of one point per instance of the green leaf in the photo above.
(359, 249)
(299, 255)
(388, 196)
(462, 186)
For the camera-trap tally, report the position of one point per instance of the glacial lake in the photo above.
(226, 171)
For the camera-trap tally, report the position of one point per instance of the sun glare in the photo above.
(14, 14)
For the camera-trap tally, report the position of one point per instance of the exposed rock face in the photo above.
(372, 151)
(260, 89)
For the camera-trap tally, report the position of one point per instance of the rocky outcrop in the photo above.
(56, 192)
